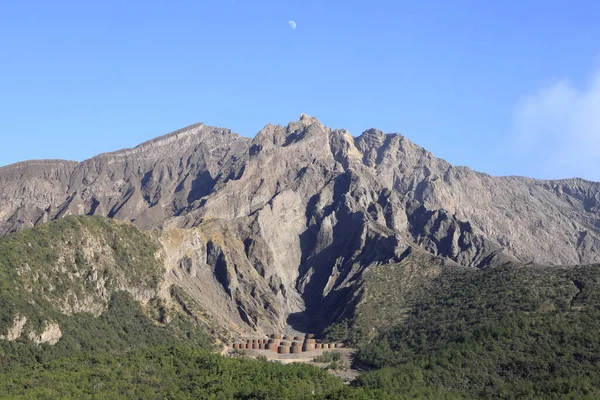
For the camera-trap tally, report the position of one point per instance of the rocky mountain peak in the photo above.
(372, 137)
(286, 223)
(192, 170)
(307, 119)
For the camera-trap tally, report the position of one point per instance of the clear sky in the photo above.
(505, 87)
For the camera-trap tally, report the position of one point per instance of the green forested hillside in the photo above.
(81, 276)
(72, 265)
(387, 293)
(97, 280)
(507, 332)
(174, 373)
(124, 327)
(425, 330)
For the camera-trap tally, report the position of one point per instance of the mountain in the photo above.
(278, 232)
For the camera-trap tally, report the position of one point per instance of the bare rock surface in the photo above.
(51, 334)
(30, 191)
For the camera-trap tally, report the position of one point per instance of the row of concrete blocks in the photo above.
(280, 336)
(277, 337)
(285, 344)
(282, 347)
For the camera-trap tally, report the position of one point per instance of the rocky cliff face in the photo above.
(279, 229)
(146, 184)
(30, 190)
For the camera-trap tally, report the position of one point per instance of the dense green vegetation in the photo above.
(328, 356)
(70, 264)
(78, 273)
(333, 359)
(425, 330)
(509, 332)
(124, 327)
(173, 373)
(387, 293)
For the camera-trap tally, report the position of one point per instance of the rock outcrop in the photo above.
(31, 191)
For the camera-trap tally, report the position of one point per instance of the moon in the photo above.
(292, 24)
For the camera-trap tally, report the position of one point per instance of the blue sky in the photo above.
(509, 88)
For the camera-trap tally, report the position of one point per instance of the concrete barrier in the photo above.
(308, 346)
(296, 349)
(283, 349)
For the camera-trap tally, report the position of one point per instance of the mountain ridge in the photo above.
(190, 127)
(285, 224)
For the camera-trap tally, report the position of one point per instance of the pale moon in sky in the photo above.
(292, 24)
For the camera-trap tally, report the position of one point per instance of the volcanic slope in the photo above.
(277, 231)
